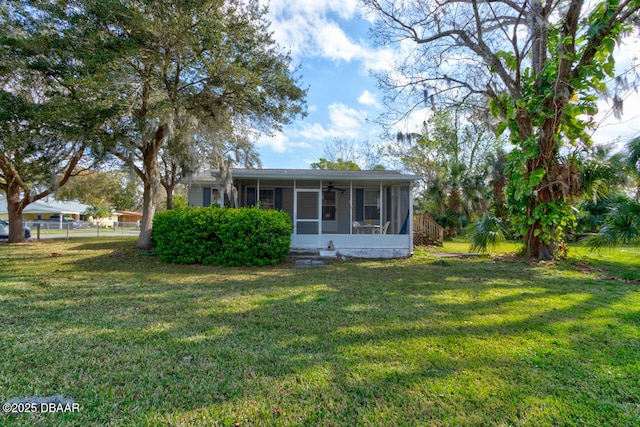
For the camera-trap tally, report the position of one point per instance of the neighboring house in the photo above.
(359, 213)
(46, 208)
(129, 216)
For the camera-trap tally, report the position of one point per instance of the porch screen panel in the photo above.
(307, 227)
(360, 204)
(307, 210)
(307, 206)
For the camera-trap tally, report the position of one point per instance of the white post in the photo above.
(258, 193)
(295, 214)
(350, 207)
(380, 204)
(410, 219)
(320, 200)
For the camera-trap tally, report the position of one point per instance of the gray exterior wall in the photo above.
(195, 196)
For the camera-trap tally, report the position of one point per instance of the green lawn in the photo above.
(459, 342)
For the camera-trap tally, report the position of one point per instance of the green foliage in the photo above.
(339, 164)
(220, 236)
(171, 76)
(451, 154)
(541, 65)
(98, 211)
(542, 184)
(621, 225)
(180, 202)
(486, 233)
(111, 187)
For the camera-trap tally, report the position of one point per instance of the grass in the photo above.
(382, 343)
(463, 245)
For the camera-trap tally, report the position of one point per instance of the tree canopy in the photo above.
(50, 114)
(113, 188)
(196, 67)
(339, 164)
(540, 65)
(180, 72)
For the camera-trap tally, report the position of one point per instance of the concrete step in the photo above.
(301, 255)
(310, 263)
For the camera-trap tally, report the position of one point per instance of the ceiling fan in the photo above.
(330, 187)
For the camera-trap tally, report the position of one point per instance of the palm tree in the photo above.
(621, 225)
(633, 162)
(622, 222)
(98, 212)
(495, 166)
(487, 232)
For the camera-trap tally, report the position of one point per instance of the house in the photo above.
(46, 208)
(364, 214)
(129, 216)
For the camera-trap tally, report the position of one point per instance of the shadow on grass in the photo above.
(367, 342)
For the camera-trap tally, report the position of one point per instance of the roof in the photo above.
(129, 213)
(313, 174)
(53, 207)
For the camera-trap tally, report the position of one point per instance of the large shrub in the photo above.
(222, 236)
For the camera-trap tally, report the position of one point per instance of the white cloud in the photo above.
(344, 122)
(345, 118)
(412, 122)
(345, 9)
(368, 98)
(280, 143)
(306, 29)
(335, 44)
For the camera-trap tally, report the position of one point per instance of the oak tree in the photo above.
(50, 110)
(194, 67)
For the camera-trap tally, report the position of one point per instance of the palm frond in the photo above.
(487, 232)
(622, 226)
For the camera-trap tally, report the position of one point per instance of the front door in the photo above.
(307, 218)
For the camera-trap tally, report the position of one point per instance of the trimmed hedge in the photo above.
(222, 236)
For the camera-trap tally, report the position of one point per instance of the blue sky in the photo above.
(329, 40)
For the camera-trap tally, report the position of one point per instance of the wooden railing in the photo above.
(426, 231)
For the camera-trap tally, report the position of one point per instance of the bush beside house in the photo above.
(221, 236)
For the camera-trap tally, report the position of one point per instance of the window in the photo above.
(266, 199)
(270, 198)
(371, 203)
(329, 206)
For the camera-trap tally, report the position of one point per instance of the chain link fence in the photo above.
(54, 229)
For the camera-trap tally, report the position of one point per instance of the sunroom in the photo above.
(363, 214)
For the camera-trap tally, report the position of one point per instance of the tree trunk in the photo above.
(14, 209)
(148, 211)
(169, 189)
(150, 193)
(536, 248)
(543, 193)
(498, 197)
(169, 180)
